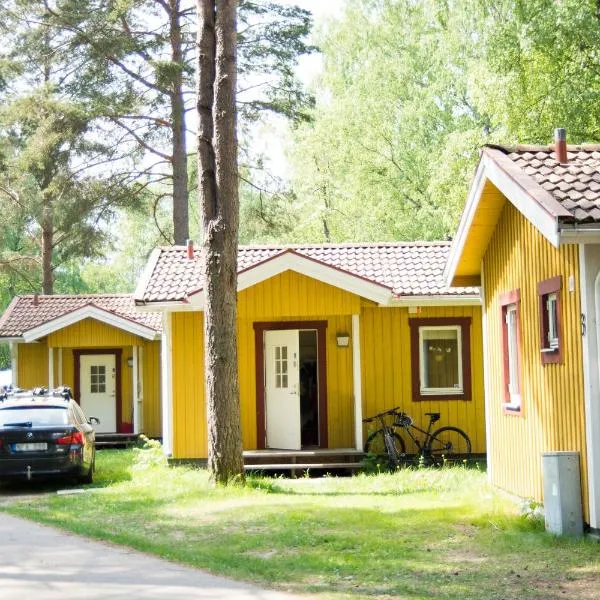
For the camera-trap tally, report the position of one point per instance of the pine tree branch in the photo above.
(141, 141)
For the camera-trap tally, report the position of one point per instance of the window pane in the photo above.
(513, 365)
(440, 356)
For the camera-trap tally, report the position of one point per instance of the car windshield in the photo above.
(33, 416)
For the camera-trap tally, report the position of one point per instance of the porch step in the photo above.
(327, 459)
(303, 466)
(116, 440)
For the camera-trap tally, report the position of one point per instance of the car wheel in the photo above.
(89, 476)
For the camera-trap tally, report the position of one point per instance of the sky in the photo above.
(273, 138)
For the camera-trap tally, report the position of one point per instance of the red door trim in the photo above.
(77, 377)
(259, 331)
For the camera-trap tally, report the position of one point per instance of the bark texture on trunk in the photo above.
(218, 191)
(47, 244)
(179, 154)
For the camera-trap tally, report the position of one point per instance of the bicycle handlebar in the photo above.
(392, 411)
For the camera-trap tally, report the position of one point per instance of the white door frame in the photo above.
(117, 352)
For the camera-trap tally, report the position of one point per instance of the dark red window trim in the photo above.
(465, 329)
(508, 299)
(259, 332)
(550, 286)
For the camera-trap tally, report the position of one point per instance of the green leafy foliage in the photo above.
(412, 90)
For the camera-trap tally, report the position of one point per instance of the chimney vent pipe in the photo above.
(190, 249)
(560, 145)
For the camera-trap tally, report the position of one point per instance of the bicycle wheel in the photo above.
(448, 444)
(375, 444)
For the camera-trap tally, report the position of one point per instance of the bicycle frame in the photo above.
(420, 445)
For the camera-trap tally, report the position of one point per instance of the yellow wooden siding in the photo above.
(386, 371)
(90, 333)
(151, 410)
(33, 365)
(385, 347)
(290, 295)
(552, 418)
(189, 410)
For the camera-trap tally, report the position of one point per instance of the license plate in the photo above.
(30, 447)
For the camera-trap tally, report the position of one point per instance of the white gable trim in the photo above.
(489, 169)
(144, 280)
(90, 312)
(292, 261)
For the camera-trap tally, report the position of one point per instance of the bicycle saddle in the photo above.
(434, 416)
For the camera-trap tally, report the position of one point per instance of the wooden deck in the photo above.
(116, 440)
(346, 460)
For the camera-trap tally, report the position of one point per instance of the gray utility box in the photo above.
(562, 493)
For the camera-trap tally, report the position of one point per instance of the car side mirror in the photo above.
(94, 421)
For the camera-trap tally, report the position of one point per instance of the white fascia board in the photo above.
(90, 312)
(291, 261)
(528, 206)
(164, 307)
(10, 340)
(578, 235)
(460, 239)
(471, 300)
(146, 274)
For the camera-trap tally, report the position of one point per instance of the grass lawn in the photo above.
(415, 534)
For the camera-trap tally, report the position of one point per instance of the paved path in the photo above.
(42, 563)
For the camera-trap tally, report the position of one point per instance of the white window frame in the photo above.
(512, 336)
(552, 312)
(431, 391)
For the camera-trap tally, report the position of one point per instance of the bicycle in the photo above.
(444, 444)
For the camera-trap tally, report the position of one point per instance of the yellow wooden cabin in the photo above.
(327, 335)
(530, 236)
(99, 346)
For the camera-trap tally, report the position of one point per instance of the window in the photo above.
(511, 325)
(281, 366)
(440, 353)
(549, 302)
(97, 379)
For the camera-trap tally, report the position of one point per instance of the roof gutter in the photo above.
(441, 300)
(579, 234)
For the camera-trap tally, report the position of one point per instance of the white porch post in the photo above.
(357, 377)
(136, 413)
(140, 396)
(14, 363)
(167, 387)
(60, 366)
(50, 368)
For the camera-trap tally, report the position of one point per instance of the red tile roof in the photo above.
(575, 185)
(408, 269)
(23, 314)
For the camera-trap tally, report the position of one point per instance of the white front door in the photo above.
(282, 394)
(97, 378)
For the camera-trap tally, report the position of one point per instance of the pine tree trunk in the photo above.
(47, 243)
(179, 155)
(218, 192)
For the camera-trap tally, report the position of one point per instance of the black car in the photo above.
(45, 434)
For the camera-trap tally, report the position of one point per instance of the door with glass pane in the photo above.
(97, 376)
(282, 397)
